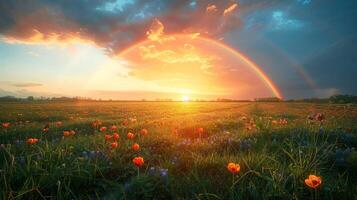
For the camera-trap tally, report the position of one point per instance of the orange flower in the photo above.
(46, 130)
(66, 133)
(138, 161)
(135, 147)
(116, 136)
(32, 141)
(103, 129)
(114, 145)
(59, 123)
(200, 130)
(313, 181)
(113, 128)
(130, 135)
(6, 124)
(144, 131)
(233, 167)
(108, 137)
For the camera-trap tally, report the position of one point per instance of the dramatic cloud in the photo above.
(316, 36)
(114, 25)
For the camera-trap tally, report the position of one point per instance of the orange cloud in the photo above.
(211, 8)
(156, 32)
(37, 37)
(230, 9)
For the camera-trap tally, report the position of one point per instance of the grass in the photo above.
(275, 159)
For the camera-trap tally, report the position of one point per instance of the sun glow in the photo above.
(185, 98)
(207, 67)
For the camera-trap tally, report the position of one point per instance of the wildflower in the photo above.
(125, 123)
(96, 123)
(135, 147)
(32, 141)
(313, 181)
(6, 124)
(138, 161)
(68, 133)
(108, 137)
(200, 130)
(115, 136)
(103, 129)
(58, 123)
(113, 128)
(144, 131)
(233, 167)
(130, 135)
(114, 145)
(46, 128)
(319, 117)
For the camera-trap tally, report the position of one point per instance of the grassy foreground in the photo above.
(186, 150)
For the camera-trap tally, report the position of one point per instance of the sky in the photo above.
(206, 49)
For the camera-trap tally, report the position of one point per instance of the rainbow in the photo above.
(262, 75)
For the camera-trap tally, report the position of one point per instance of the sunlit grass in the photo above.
(186, 149)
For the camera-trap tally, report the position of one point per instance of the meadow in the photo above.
(82, 150)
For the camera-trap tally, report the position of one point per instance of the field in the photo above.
(186, 150)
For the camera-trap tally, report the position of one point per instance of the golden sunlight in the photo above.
(205, 67)
(185, 98)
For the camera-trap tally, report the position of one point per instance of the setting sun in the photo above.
(185, 98)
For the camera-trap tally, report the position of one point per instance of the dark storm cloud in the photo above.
(292, 39)
(110, 24)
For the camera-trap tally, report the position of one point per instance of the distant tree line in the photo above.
(337, 99)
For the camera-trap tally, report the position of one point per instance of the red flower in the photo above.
(108, 137)
(96, 123)
(200, 130)
(135, 147)
(130, 135)
(113, 128)
(6, 124)
(313, 181)
(68, 133)
(103, 129)
(138, 161)
(114, 145)
(144, 131)
(233, 167)
(59, 123)
(125, 123)
(116, 136)
(32, 141)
